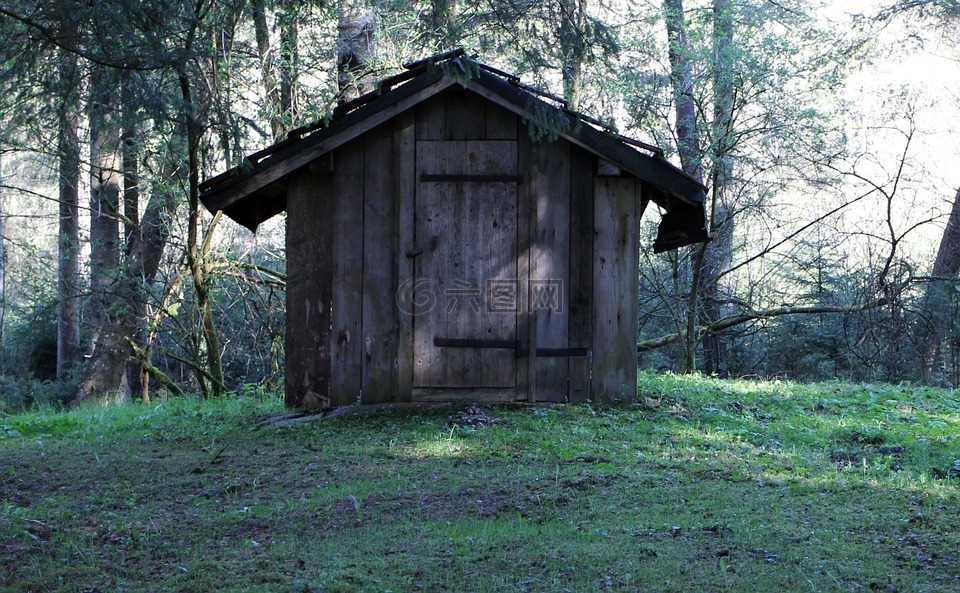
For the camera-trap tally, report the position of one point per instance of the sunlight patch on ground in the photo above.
(441, 446)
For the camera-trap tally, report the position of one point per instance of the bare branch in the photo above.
(741, 318)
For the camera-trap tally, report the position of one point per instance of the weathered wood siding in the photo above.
(581, 272)
(348, 182)
(309, 241)
(559, 275)
(380, 321)
(386, 257)
(351, 219)
(615, 274)
(373, 214)
(526, 231)
(550, 266)
(405, 172)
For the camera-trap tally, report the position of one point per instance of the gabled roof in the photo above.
(256, 190)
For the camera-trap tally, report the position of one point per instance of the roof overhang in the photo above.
(256, 190)
(253, 192)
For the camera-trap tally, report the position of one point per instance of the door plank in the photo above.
(496, 262)
(526, 223)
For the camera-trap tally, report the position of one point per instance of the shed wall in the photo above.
(352, 245)
(343, 242)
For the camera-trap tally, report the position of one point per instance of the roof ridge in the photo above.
(454, 64)
(435, 58)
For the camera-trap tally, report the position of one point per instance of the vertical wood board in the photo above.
(581, 270)
(346, 340)
(405, 171)
(495, 264)
(309, 294)
(615, 269)
(380, 317)
(549, 267)
(526, 223)
(435, 210)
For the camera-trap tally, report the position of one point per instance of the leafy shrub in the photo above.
(19, 393)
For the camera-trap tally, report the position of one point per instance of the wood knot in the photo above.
(344, 338)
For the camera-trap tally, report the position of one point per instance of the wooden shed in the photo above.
(457, 235)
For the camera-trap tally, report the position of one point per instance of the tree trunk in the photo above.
(136, 377)
(68, 243)
(125, 339)
(936, 301)
(688, 148)
(717, 256)
(196, 255)
(572, 47)
(110, 374)
(105, 379)
(354, 49)
(3, 268)
(131, 169)
(719, 252)
(279, 77)
(681, 79)
(287, 20)
(271, 90)
(444, 28)
(104, 199)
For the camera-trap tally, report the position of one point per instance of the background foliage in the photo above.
(827, 152)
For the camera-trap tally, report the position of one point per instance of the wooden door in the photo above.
(466, 263)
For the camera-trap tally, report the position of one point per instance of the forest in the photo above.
(823, 132)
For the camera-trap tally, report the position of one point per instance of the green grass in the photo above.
(704, 485)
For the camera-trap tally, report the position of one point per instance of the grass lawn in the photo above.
(705, 485)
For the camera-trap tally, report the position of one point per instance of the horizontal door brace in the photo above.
(510, 345)
(476, 343)
(479, 178)
(557, 353)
